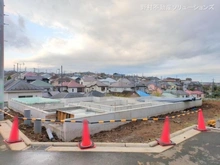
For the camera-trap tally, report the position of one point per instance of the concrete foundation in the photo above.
(72, 130)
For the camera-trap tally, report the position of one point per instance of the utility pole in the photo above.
(213, 84)
(17, 71)
(1, 58)
(61, 72)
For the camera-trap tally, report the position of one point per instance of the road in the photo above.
(202, 149)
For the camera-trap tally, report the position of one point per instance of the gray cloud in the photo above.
(15, 33)
(124, 37)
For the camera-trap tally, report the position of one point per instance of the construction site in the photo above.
(111, 117)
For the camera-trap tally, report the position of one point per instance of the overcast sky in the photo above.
(151, 38)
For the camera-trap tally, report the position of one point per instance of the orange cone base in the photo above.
(92, 145)
(165, 144)
(10, 142)
(202, 130)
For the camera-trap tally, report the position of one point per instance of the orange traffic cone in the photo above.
(14, 134)
(201, 122)
(165, 136)
(86, 142)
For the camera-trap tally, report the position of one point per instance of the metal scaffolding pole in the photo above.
(1, 58)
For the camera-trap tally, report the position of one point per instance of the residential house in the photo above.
(117, 75)
(196, 94)
(180, 93)
(74, 87)
(169, 79)
(46, 75)
(64, 95)
(57, 81)
(27, 74)
(154, 79)
(140, 86)
(195, 86)
(71, 87)
(108, 81)
(20, 89)
(96, 86)
(120, 86)
(30, 79)
(85, 80)
(42, 84)
(77, 79)
(172, 86)
(153, 87)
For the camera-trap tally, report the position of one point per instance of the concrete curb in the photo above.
(150, 144)
(26, 140)
(150, 147)
(5, 130)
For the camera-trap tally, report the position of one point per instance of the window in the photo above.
(25, 96)
(102, 88)
(79, 89)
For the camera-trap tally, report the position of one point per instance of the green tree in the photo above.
(9, 77)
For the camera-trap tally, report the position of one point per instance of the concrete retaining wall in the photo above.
(19, 107)
(72, 130)
(48, 106)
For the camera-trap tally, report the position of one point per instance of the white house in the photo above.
(108, 81)
(75, 87)
(86, 80)
(120, 87)
(20, 89)
(97, 86)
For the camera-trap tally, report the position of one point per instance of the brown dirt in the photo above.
(29, 130)
(146, 131)
(139, 132)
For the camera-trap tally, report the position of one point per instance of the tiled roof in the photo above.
(98, 83)
(30, 74)
(194, 92)
(88, 78)
(110, 80)
(121, 85)
(18, 85)
(66, 95)
(73, 84)
(33, 78)
(40, 83)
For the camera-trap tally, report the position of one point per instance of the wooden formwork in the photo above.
(60, 115)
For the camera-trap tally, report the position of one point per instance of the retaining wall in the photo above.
(19, 107)
(72, 130)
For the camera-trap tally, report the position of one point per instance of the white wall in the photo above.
(72, 90)
(72, 130)
(19, 107)
(97, 88)
(9, 95)
(112, 89)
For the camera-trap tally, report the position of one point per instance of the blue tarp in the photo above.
(171, 100)
(142, 94)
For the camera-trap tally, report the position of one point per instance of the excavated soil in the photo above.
(139, 132)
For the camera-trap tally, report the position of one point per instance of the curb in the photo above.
(73, 144)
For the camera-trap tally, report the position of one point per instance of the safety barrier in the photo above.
(103, 121)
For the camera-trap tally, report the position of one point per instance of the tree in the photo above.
(9, 77)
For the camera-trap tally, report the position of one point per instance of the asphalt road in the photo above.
(201, 149)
